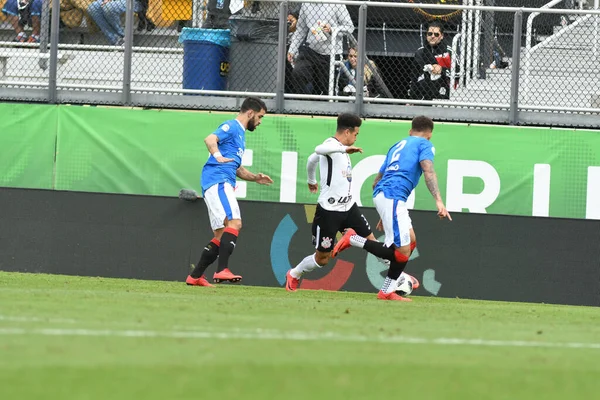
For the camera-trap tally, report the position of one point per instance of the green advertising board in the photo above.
(27, 145)
(493, 169)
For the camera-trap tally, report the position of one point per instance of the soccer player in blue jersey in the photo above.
(406, 161)
(226, 147)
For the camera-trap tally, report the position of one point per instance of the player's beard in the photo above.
(251, 126)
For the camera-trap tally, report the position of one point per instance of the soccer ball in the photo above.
(404, 285)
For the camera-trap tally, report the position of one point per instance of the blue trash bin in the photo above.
(205, 58)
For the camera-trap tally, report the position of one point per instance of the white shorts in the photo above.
(395, 219)
(221, 203)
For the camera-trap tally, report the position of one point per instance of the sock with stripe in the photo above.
(228, 241)
(209, 255)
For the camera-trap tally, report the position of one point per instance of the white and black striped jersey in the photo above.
(335, 169)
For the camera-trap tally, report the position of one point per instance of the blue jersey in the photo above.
(232, 144)
(401, 169)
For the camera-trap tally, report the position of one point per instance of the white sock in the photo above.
(389, 285)
(306, 265)
(357, 241)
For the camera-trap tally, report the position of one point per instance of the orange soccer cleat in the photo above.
(198, 281)
(226, 276)
(291, 283)
(343, 243)
(391, 296)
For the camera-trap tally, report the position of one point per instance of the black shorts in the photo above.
(327, 224)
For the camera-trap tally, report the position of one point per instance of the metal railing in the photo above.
(143, 72)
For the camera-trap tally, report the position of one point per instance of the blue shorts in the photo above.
(12, 7)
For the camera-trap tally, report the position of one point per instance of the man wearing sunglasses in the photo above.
(432, 63)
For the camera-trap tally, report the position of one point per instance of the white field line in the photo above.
(296, 336)
(37, 319)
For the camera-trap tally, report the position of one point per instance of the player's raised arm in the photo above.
(335, 147)
(311, 172)
(211, 142)
(432, 185)
(259, 178)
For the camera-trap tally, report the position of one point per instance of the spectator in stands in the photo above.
(144, 22)
(433, 63)
(21, 13)
(312, 44)
(72, 13)
(292, 20)
(347, 84)
(107, 15)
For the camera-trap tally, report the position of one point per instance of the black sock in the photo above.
(209, 255)
(380, 250)
(396, 269)
(227, 246)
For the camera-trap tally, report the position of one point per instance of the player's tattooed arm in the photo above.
(431, 179)
(259, 178)
(432, 185)
(377, 179)
(246, 175)
(211, 144)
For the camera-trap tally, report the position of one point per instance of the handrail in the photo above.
(335, 32)
(530, 19)
(463, 43)
(529, 50)
(454, 61)
(476, 33)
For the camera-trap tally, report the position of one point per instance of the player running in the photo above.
(336, 210)
(226, 146)
(406, 161)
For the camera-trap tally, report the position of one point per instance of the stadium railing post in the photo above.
(52, 72)
(360, 66)
(281, 57)
(516, 63)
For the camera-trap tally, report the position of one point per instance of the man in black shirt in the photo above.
(433, 63)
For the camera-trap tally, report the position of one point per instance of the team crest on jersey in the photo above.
(347, 174)
(326, 242)
(225, 127)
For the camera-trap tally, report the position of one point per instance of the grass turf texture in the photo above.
(64, 337)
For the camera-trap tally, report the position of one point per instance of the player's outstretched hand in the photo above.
(313, 188)
(263, 179)
(222, 159)
(379, 226)
(442, 212)
(353, 149)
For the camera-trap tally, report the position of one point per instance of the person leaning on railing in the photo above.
(312, 44)
(347, 84)
(24, 12)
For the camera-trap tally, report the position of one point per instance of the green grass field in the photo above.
(64, 337)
